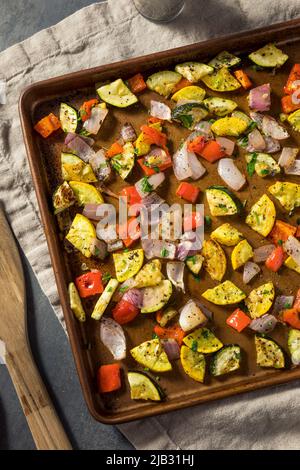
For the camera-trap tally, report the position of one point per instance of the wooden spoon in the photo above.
(46, 428)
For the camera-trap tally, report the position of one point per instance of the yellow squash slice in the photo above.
(193, 363)
(214, 259)
(232, 126)
(241, 253)
(75, 169)
(81, 234)
(288, 194)
(268, 353)
(128, 264)
(262, 216)
(226, 293)
(117, 94)
(260, 300)
(227, 235)
(86, 193)
(291, 264)
(75, 303)
(221, 80)
(203, 340)
(150, 275)
(152, 355)
(190, 93)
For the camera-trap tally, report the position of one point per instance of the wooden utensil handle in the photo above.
(44, 424)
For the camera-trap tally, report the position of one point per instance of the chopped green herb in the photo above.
(192, 259)
(287, 305)
(106, 277)
(222, 206)
(84, 132)
(156, 169)
(123, 289)
(280, 242)
(154, 336)
(146, 186)
(197, 278)
(265, 172)
(96, 251)
(252, 126)
(146, 369)
(164, 252)
(251, 164)
(243, 142)
(126, 250)
(194, 346)
(186, 120)
(109, 289)
(207, 221)
(257, 68)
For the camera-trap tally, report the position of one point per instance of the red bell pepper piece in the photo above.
(197, 145)
(287, 104)
(192, 221)
(293, 77)
(238, 320)
(297, 300)
(154, 120)
(172, 332)
(184, 82)
(243, 78)
(281, 232)
(188, 191)
(124, 312)
(132, 195)
(137, 83)
(275, 259)
(149, 171)
(129, 232)
(154, 136)
(114, 149)
(291, 316)
(89, 284)
(47, 125)
(212, 151)
(86, 109)
(109, 378)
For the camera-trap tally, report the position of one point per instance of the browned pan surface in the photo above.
(44, 158)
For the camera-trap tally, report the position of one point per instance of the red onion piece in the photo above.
(114, 246)
(79, 146)
(226, 144)
(158, 249)
(113, 337)
(257, 117)
(264, 324)
(196, 166)
(189, 245)
(135, 297)
(160, 110)
(272, 145)
(261, 254)
(282, 302)
(191, 316)
(186, 164)
(152, 182)
(100, 165)
(156, 157)
(203, 128)
(124, 287)
(287, 157)
(208, 313)
(292, 248)
(107, 191)
(272, 128)
(230, 174)
(171, 348)
(250, 270)
(256, 141)
(98, 248)
(93, 124)
(90, 211)
(70, 136)
(260, 98)
(294, 169)
(128, 133)
(175, 273)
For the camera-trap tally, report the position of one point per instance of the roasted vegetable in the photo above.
(227, 235)
(150, 275)
(241, 253)
(262, 216)
(268, 353)
(232, 126)
(224, 59)
(151, 354)
(193, 363)
(291, 264)
(260, 300)
(142, 387)
(264, 164)
(269, 56)
(194, 263)
(81, 234)
(156, 297)
(117, 94)
(190, 93)
(214, 259)
(63, 198)
(68, 117)
(219, 106)
(128, 264)
(104, 299)
(226, 293)
(86, 193)
(288, 194)
(163, 317)
(221, 80)
(123, 163)
(193, 71)
(222, 201)
(228, 359)
(203, 340)
(294, 346)
(75, 303)
(189, 114)
(75, 169)
(163, 82)
(294, 120)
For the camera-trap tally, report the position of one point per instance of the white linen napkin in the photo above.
(104, 33)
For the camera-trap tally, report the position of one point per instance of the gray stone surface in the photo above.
(20, 19)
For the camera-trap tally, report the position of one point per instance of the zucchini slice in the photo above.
(241, 253)
(193, 363)
(228, 359)
(75, 169)
(104, 299)
(224, 59)
(219, 106)
(268, 353)
(232, 126)
(163, 82)
(86, 193)
(156, 297)
(215, 262)
(226, 293)
(189, 93)
(166, 316)
(269, 56)
(243, 116)
(68, 117)
(127, 264)
(222, 201)
(123, 163)
(194, 263)
(265, 165)
(150, 275)
(142, 387)
(75, 303)
(203, 340)
(262, 215)
(63, 198)
(288, 194)
(81, 234)
(117, 94)
(189, 114)
(260, 300)
(221, 80)
(227, 235)
(193, 71)
(152, 355)
(294, 346)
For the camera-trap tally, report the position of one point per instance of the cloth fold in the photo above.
(112, 31)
